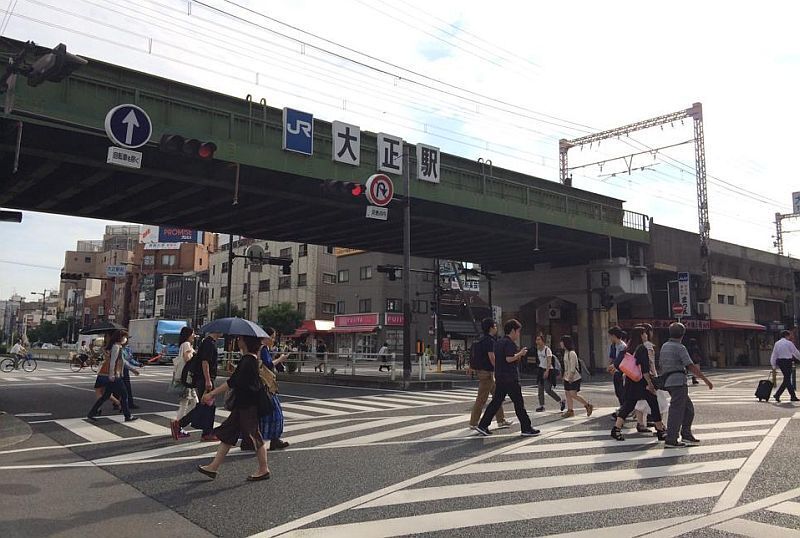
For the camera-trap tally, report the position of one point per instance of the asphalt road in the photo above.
(367, 462)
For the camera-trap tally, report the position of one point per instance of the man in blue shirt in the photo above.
(506, 374)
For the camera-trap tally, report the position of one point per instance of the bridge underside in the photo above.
(61, 170)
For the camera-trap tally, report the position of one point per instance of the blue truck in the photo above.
(150, 337)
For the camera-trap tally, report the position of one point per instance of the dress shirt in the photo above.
(784, 349)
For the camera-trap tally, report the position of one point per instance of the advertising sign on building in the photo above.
(174, 234)
(796, 202)
(298, 131)
(355, 320)
(684, 293)
(393, 320)
(113, 271)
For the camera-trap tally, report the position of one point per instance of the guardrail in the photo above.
(353, 364)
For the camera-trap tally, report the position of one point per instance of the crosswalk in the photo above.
(573, 469)
(60, 373)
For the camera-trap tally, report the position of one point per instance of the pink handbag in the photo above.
(630, 368)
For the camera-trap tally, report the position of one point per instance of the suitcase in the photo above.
(764, 390)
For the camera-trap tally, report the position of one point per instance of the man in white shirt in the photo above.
(783, 354)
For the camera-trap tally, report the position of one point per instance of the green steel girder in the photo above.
(250, 134)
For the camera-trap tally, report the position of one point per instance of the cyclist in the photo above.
(20, 352)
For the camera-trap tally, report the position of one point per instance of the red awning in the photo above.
(299, 333)
(355, 329)
(723, 324)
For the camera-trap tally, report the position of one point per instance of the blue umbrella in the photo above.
(234, 327)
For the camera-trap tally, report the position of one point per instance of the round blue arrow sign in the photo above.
(128, 126)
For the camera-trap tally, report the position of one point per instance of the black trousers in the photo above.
(116, 387)
(619, 387)
(629, 403)
(786, 369)
(126, 378)
(513, 391)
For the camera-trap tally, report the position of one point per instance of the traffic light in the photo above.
(71, 276)
(54, 66)
(343, 188)
(390, 270)
(188, 147)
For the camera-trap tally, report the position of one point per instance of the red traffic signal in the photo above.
(188, 147)
(343, 188)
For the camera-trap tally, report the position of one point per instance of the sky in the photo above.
(502, 81)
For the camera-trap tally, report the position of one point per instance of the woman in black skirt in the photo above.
(243, 420)
(633, 391)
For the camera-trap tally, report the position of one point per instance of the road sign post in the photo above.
(678, 309)
(128, 126)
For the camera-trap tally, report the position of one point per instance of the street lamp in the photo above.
(44, 295)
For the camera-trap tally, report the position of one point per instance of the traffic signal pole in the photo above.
(406, 268)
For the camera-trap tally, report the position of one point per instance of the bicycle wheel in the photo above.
(6, 365)
(29, 365)
(75, 364)
(93, 364)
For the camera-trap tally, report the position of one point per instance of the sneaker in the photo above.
(209, 438)
(563, 405)
(278, 444)
(690, 440)
(483, 431)
(674, 444)
(131, 418)
(540, 409)
(175, 429)
(531, 433)
(183, 435)
(504, 424)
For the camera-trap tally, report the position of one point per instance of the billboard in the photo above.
(174, 234)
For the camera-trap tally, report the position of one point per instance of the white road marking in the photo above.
(90, 432)
(629, 530)
(399, 432)
(592, 459)
(755, 529)
(142, 425)
(458, 519)
(321, 434)
(291, 406)
(736, 487)
(790, 508)
(473, 489)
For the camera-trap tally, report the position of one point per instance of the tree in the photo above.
(282, 317)
(221, 311)
(49, 332)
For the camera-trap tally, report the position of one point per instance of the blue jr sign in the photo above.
(298, 131)
(128, 126)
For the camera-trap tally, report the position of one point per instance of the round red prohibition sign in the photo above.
(380, 190)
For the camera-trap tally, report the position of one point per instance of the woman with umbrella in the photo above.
(247, 386)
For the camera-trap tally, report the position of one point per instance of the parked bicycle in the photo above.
(27, 363)
(79, 361)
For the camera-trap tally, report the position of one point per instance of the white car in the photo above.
(49, 346)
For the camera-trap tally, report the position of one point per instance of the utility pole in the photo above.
(230, 275)
(406, 267)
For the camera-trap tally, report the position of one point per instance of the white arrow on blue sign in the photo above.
(298, 131)
(128, 126)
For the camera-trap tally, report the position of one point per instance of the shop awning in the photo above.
(312, 326)
(464, 328)
(727, 325)
(355, 329)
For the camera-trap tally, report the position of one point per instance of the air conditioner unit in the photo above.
(554, 313)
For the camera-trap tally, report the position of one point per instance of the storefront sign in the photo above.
(393, 320)
(356, 320)
(684, 294)
(691, 324)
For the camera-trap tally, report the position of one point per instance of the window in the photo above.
(329, 250)
(394, 305)
(364, 305)
(212, 293)
(149, 260)
(263, 285)
(731, 299)
(284, 282)
(286, 252)
(223, 291)
(213, 270)
(87, 259)
(427, 277)
(244, 288)
(365, 273)
(224, 267)
(344, 275)
(340, 307)
(302, 251)
(301, 307)
(421, 307)
(302, 279)
(328, 278)
(160, 300)
(721, 299)
(328, 308)
(168, 260)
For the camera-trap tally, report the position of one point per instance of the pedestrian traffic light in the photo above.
(188, 147)
(343, 188)
(71, 276)
(54, 66)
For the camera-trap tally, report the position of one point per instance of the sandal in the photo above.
(211, 474)
(264, 476)
(617, 434)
